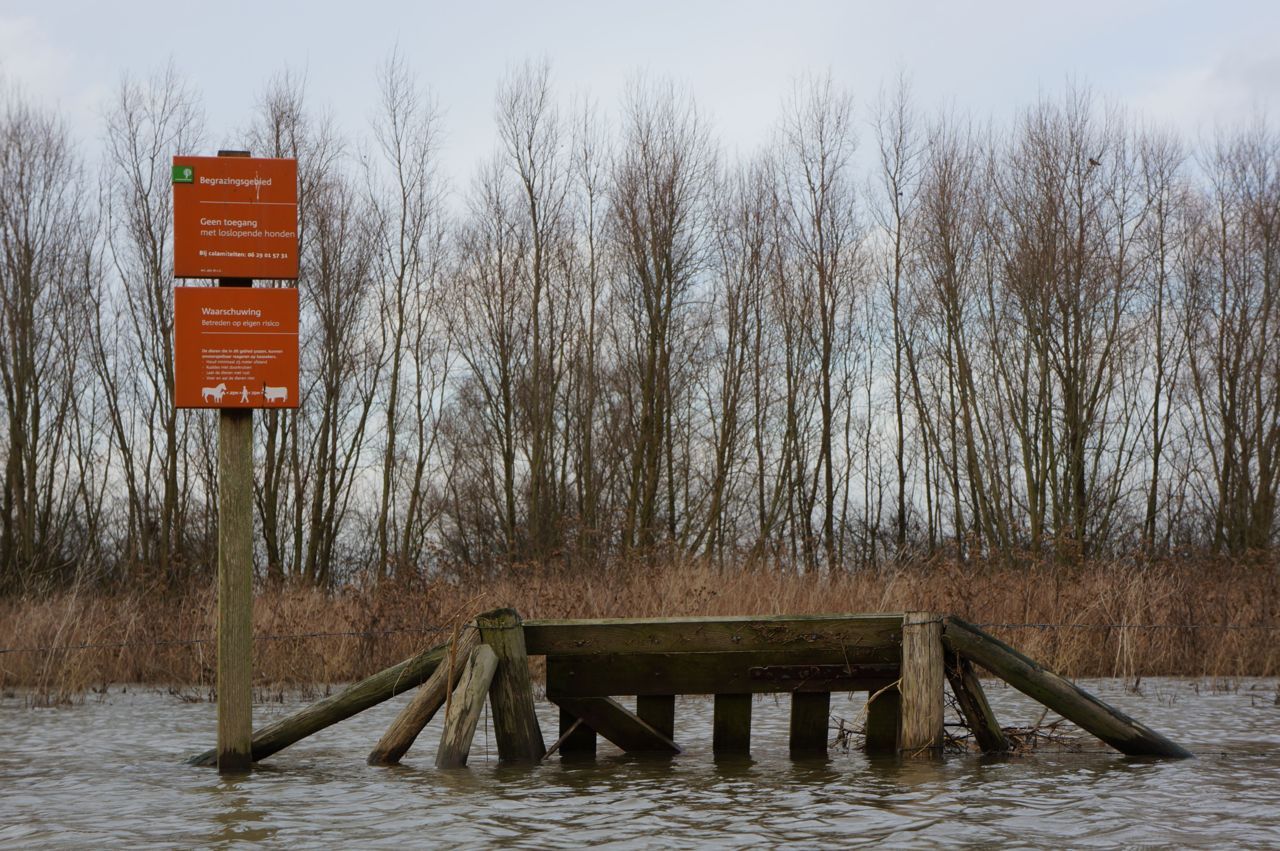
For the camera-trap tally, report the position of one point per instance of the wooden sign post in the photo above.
(235, 349)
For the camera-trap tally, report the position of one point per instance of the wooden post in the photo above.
(731, 723)
(235, 577)
(810, 711)
(920, 732)
(464, 709)
(426, 702)
(515, 724)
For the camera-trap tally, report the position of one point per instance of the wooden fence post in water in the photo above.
(922, 685)
(515, 724)
(463, 713)
(426, 702)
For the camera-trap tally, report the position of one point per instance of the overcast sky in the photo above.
(1187, 64)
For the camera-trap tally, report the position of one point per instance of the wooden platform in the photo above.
(902, 662)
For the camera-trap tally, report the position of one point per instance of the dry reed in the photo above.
(1120, 619)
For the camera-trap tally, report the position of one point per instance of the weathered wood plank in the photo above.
(618, 724)
(1062, 696)
(712, 673)
(659, 712)
(463, 714)
(884, 714)
(515, 724)
(425, 703)
(810, 713)
(973, 705)
(352, 700)
(870, 633)
(731, 724)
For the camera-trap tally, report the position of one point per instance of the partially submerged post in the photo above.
(515, 724)
(920, 732)
(426, 702)
(463, 713)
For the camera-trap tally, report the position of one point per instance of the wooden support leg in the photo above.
(883, 714)
(618, 724)
(463, 713)
(515, 724)
(973, 705)
(581, 742)
(426, 702)
(659, 712)
(922, 685)
(353, 699)
(1067, 699)
(810, 712)
(732, 724)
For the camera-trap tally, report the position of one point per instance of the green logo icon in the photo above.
(184, 174)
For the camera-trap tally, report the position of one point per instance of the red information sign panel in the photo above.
(235, 217)
(235, 347)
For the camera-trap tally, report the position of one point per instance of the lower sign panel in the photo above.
(235, 347)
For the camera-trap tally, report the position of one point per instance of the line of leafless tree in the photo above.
(886, 335)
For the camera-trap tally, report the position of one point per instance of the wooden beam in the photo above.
(463, 713)
(973, 705)
(515, 724)
(869, 634)
(920, 732)
(659, 712)
(425, 703)
(810, 714)
(761, 672)
(1062, 696)
(617, 724)
(350, 701)
(731, 724)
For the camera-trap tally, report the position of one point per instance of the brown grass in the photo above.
(1121, 619)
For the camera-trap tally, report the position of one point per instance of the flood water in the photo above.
(109, 773)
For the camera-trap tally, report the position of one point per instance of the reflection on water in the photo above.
(110, 773)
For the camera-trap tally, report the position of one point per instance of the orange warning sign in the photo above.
(235, 347)
(235, 217)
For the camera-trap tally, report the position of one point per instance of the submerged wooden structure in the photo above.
(901, 661)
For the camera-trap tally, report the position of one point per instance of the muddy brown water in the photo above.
(109, 773)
